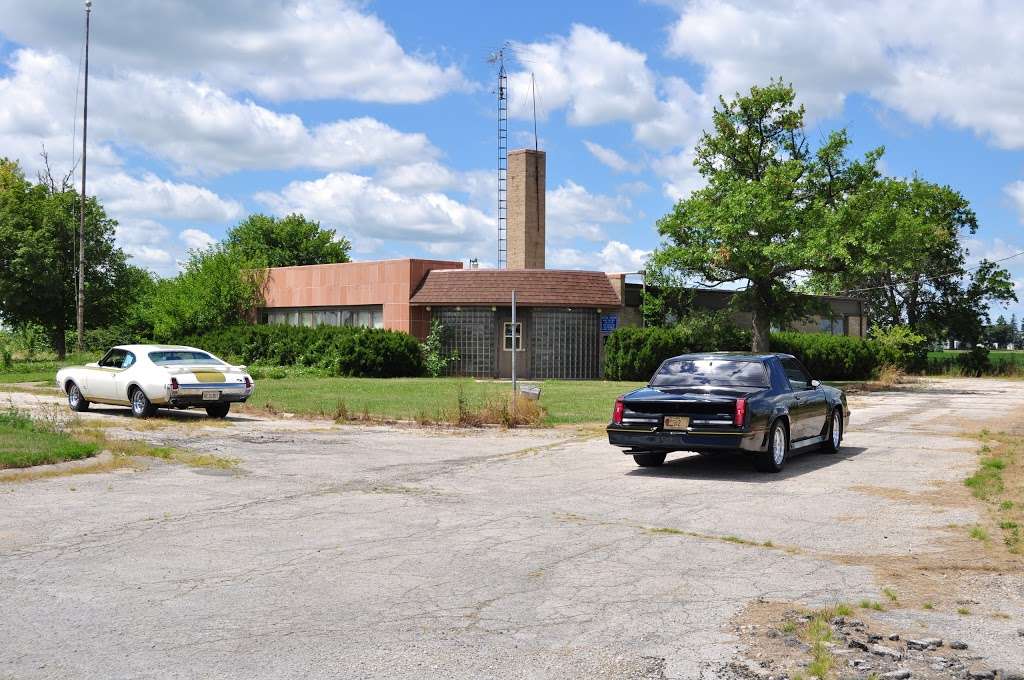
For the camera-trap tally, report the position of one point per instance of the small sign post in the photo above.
(514, 339)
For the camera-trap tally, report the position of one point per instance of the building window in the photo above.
(509, 336)
(833, 326)
(469, 333)
(366, 317)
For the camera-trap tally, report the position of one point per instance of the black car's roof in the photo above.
(732, 356)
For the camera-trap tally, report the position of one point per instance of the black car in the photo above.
(765, 404)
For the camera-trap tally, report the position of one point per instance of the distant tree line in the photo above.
(217, 286)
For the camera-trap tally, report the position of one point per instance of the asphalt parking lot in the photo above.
(357, 551)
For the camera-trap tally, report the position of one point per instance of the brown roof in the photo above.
(534, 288)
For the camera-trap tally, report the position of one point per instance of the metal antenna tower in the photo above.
(499, 59)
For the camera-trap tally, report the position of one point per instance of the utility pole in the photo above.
(80, 303)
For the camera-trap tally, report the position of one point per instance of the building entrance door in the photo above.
(511, 339)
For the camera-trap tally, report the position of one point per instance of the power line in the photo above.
(937, 276)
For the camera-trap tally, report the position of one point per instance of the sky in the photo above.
(379, 118)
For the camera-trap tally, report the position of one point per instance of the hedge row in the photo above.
(635, 353)
(343, 350)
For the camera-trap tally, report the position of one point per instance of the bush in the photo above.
(633, 353)
(900, 347)
(343, 351)
(833, 357)
(102, 339)
(975, 362)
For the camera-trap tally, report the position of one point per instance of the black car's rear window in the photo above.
(723, 372)
(178, 356)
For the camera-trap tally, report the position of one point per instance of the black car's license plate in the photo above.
(676, 422)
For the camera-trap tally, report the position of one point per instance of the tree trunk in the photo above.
(59, 341)
(762, 327)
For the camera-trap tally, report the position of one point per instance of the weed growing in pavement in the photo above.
(978, 533)
(891, 594)
(963, 611)
(928, 605)
(843, 609)
(999, 480)
(870, 604)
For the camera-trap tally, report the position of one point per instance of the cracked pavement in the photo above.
(372, 551)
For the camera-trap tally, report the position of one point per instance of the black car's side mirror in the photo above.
(814, 384)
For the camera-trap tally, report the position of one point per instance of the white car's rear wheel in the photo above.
(76, 400)
(141, 406)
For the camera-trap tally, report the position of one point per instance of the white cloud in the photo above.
(196, 239)
(573, 212)
(358, 205)
(610, 157)
(1015, 190)
(614, 257)
(195, 126)
(123, 195)
(600, 80)
(295, 49)
(942, 61)
(681, 177)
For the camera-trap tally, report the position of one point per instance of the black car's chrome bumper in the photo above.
(660, 440)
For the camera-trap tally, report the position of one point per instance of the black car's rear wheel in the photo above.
(774, 458)
(649, 459)
(835, 432)
(218, 410)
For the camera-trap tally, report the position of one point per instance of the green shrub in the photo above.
(435, 359)
(832, 357)
(634, 353)
(975, 362)
(901, 347)
(343, 351)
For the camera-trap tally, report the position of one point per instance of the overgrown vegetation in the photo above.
(335, 350)
(435, 359)
(634, 353)
(25, 442)
(999, 483)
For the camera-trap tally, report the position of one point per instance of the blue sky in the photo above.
(378, 119)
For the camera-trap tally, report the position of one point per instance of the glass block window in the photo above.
(367, 317)
(470, 332)
(564, 344)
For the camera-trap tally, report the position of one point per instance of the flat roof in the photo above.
(533, 287)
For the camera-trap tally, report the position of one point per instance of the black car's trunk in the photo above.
(706, 406)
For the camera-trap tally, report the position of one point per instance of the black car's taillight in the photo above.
(739, 416)
(617, 412)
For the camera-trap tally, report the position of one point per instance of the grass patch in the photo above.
(817, 633)
(871, 604)
(891, 594)
(999, 482)
(42, 369)
(25, 442)
(928, 605)
(963, 611)
(129, 448)
(978, 533)
(433, 400)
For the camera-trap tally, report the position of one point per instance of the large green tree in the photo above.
(38, 267)
(217, 287)
(287, 241)
(772, 209)
(909, 263)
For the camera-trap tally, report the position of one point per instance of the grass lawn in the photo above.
(41, 370)
(995, 355)
(24, 443)
(564, 401)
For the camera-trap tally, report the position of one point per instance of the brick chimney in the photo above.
(525, 213)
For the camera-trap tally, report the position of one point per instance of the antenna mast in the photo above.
(80, 301)
(499, 59)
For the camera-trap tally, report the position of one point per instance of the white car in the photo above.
(147, 377)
